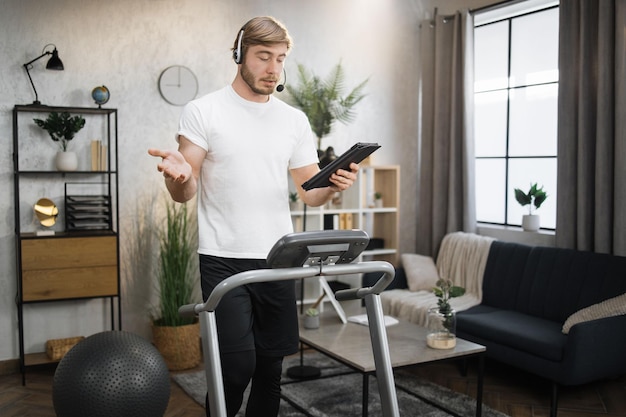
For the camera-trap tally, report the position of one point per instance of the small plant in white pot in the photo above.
(533, 198)
(312, 315)
(62, 128)
(294, 200)
(378, 199)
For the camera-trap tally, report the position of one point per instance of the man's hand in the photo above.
(342, 179)
(173, 165)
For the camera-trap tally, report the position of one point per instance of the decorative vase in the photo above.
(441, 329)
(311, 322)
(179, 345)
(530, 222)
(66, 161)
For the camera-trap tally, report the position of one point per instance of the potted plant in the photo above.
(378, 199)
(312, 314)
(293, 200)
(442, 319)
(62, 128)
(534, 197)
(322, 100)
(176, 337)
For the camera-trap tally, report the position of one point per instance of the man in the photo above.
(235, 147)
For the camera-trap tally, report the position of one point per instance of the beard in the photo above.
(250, 79)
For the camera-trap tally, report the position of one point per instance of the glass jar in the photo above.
(441, 329)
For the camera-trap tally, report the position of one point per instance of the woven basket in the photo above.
(57, 348)
(179, 346)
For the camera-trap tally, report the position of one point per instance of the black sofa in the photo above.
(528, 295)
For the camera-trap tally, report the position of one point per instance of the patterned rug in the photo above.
(338, 393)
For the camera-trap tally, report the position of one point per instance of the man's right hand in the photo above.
(173, 165)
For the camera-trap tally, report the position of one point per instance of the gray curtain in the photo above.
(591, 207)
(446, 152)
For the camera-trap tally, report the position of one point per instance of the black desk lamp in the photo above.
(54, 63)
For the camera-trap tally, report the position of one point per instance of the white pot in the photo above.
(530, 222)
(66, 161)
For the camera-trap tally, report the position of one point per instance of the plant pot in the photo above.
(311, 322)
(378, 203)
(530, 222)
(179, 345)
(441, 329)
(66, 161)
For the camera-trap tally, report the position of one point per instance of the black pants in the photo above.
(257, 326)
(264, 398)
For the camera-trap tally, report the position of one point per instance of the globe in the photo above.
(100, 95)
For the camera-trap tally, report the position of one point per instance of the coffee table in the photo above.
(350, 344)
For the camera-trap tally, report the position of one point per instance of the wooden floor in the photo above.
(506, 389)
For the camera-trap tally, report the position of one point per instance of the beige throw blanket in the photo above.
(462, 258)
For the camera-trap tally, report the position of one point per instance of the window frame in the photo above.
(509, 14)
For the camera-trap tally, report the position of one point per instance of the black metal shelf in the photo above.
(38, 108)
(109, 177)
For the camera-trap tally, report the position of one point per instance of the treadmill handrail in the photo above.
(283, 274)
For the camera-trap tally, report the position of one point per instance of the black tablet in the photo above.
(355, 154)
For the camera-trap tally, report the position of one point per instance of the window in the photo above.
(515, 99)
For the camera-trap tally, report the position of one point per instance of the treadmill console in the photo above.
(319, 247)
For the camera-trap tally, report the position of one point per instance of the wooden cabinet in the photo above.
(78, 257)
(74, 267)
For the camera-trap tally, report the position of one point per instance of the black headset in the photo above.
(237, 55)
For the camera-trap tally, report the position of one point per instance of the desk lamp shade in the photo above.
(54, 63)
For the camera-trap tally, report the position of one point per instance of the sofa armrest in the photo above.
(399, 281)
(595, 350)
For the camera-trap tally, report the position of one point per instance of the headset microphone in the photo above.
(281, 87)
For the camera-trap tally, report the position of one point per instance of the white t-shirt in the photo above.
(243, 195)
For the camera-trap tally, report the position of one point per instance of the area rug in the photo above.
(338, 393)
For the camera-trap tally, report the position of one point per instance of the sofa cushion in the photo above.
(612, 307)
(503, 274)
(421, 271)
(530, 334)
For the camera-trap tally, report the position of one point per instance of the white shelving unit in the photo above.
(356, 209)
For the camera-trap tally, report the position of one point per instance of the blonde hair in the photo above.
(262, 30)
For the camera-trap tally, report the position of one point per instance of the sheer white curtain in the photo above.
(446, 150)
(591, 211)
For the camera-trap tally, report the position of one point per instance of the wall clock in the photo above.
(178, 85)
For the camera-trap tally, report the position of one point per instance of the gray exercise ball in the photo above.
(111, 373)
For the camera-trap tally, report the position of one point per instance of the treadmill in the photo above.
(298, 256)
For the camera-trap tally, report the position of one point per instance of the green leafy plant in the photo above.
(444, 291)
(378, 195)
(293, 197)
(534, 197)
(176, 280)
(61, 127)
(322, 100)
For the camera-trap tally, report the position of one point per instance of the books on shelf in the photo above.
(341, 221)
(98, 156)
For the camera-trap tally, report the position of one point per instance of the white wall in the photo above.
(125, 44)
